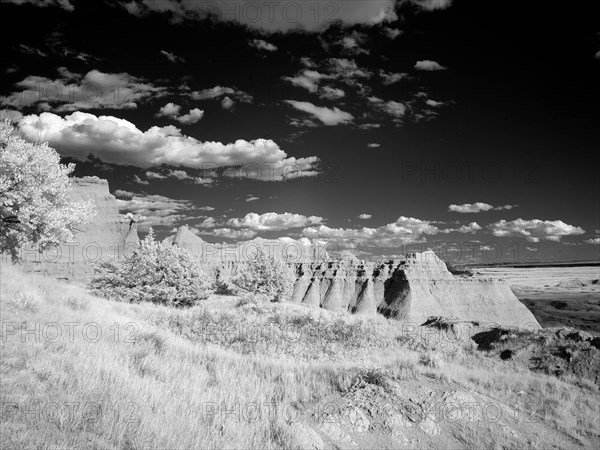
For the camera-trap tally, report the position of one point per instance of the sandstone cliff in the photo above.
(109, 234)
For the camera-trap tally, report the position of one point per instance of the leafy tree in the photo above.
(155, 272)
(35, 206)
(267, 276)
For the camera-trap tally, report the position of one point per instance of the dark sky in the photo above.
(396, 110)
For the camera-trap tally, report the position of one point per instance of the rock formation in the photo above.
(108, 235)
(412, 290)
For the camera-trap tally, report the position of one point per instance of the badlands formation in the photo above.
(411, 289)
(108, 233)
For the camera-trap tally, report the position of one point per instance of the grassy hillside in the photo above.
(80, 371)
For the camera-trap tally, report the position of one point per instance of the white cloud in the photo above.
(347, 70)
(152, 210)
(273, 221)
(392, 33)
(119, 141)
(594, 241)
(395, 109)
(178, 174)
(535, 230)
(330, 93)
(429, 65)
(220, 91)
(273, 17)
(432, 5)
(70, 92)
(388, 78)
(328, 116)
(471, 207)
(478, 207)
(169, 110)
(64, 4)
(230, 234)
(369, 126)
(373, 145)
(365, 216)
(307, 79)
(227, 103)
(252, 199)
(352, 43)
(172, 57)
(194, 116)
(260, 44)
(597, 54)
(402, 231)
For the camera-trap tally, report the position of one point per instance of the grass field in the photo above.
(78, 371)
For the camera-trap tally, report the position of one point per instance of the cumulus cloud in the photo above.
(388, 78)
(152, 210)
(373, 145)
(597, 54)
(171, 56)
(331, 93)
(222, 91)
(307, 79)
(394, 109)
(329, 116)
(478, 207)
(252, 198)
(177, 174)
(392, 33)
(260, 44)
(535, 230)
(229, 233)
(227, 103)
(272, 17)
(64, 4)
(169, 110)
(352, 43)
(347, 70)
(71, 92)
(273, 221)
(432, 5)
(429, 65)
(119, 141)
(402, 231)
(594, 241)
(365, 216)
(194, 116)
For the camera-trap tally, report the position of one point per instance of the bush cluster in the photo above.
(155, 272)
(267, 277)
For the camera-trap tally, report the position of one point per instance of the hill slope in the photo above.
(80, 371)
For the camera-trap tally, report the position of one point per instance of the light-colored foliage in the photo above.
(266, 276)
(34, 194)
(155, 272)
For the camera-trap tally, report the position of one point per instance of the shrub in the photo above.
(266, 275)
(155, 272)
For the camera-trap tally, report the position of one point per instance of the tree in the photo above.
(155, 272)
(35, 206)
(266, 275)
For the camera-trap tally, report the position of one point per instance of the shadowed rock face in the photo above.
(108, 234)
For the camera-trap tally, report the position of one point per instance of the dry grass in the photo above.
(145, 376)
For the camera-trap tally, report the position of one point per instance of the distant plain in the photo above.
(557, 296)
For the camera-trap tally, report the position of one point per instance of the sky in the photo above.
(379, 127)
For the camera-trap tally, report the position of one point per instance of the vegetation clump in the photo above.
(155, 272)
(267, 277)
